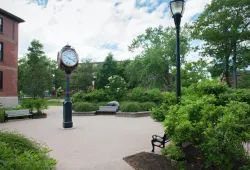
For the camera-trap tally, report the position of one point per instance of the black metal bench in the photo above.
(17, 113)
(160, 140)
(107, 109)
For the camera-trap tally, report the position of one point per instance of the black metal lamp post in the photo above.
(177, 9)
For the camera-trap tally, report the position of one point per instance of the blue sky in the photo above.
(94, 28)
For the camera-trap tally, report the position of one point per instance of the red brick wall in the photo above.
(9, 65)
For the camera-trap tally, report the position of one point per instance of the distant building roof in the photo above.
(7, 14)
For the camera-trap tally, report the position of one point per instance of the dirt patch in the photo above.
(149, 161)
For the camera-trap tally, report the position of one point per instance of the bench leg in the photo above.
(153, 146)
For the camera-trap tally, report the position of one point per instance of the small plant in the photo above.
(78, 97)
(19, 152)
(83, 107)
(147, 106)
(38, 104)
(116, 87)
(59, 92)
(130, 107)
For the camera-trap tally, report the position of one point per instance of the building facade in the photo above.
(8, 58)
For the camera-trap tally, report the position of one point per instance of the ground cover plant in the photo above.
(19, 152)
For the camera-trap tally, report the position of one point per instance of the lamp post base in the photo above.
(67, 124)
(67, 114)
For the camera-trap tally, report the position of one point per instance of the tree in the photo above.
(58, 75)
(107, 69)
(244, 80)
(36, 74)
(158, 56)
(82, 77)
(224, 26)
(121, 69)
(116, 87)
(193, 72)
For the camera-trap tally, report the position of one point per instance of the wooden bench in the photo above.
(107, 109)
(160, 140)
(17, 113)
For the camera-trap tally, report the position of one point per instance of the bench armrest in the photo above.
(156, 136)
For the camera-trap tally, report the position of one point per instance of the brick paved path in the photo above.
(96, 143)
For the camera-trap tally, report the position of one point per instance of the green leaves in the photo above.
(211, 118)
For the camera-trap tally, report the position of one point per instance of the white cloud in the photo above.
(88, 24)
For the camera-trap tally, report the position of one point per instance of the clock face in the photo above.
(69, 58)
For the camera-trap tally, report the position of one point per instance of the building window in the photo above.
(1, 51)
(1, 24)
(1, 80)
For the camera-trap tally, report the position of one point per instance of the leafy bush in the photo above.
(210, 87)
(142, 95)
(153, 95)
(28, 104)
(2, 114)
(130, 107)
(241, 95)
(38, 104)
(116, 88)
(97, 96)
(137, 94)
(59, 92)
(83, 107)
(215, 128)
(169, 99)
(18, 152)
(78, 97)
(147, 106)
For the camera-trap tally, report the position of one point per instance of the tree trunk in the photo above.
(227, 71)
(234, 66)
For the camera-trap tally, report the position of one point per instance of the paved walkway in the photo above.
(96, 143)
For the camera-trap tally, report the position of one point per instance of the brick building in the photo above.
(8, 58)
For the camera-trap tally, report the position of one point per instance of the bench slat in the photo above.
(108, 108)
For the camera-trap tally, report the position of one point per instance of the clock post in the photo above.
(67, 60)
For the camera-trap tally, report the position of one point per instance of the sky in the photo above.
(93, 27)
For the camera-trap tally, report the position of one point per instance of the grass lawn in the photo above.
(54, 103)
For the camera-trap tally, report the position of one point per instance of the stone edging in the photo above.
(133, 114)
(83, 113)
(118, 114)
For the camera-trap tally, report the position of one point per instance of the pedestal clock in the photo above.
(67, 60)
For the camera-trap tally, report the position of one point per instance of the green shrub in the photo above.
(173, 152)
(169, 99)
(130, 107)
(18, 152)
(213, 119)
(142, 95)
(204, 125)
(84, 107)
(210, 87)
(137, 94)
(59, 92)
(38, 104)
(241, 95)
(147, 106)
(153, 95)
(2, 114)
(116, 88)
(28, 104)
(78, 97)
(97, 96)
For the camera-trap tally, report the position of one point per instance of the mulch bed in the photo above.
(149, 161)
